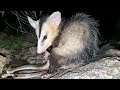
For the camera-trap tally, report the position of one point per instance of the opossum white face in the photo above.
(49, 31)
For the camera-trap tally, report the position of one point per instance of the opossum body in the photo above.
(74, 40)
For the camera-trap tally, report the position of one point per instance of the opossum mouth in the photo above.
(49, 49)
(47, 53)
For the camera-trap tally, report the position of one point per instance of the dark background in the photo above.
(108, 18)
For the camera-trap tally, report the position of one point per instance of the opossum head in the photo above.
(48, 31)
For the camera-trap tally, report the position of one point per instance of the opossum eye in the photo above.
(45, 37)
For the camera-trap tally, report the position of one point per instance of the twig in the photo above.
(24, 76)
(29, 67)
(29, 76)
(7, 75)
(9, 25)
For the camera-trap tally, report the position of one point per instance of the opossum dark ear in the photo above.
(55, 18)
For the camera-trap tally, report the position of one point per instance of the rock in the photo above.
(27, 44)
(2, 63)
(7, 54)
(107, 68)
(38, 60)
(26, 53)
(33, 50)
(31, 56)
(35, 58)
(5, 58)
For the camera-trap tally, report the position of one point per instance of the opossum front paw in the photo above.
(52, 69)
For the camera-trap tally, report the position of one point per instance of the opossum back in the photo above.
(74, 36)
(79, 35)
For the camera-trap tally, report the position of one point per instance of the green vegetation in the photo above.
(14, 44)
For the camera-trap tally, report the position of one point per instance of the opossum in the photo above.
(73, 40)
